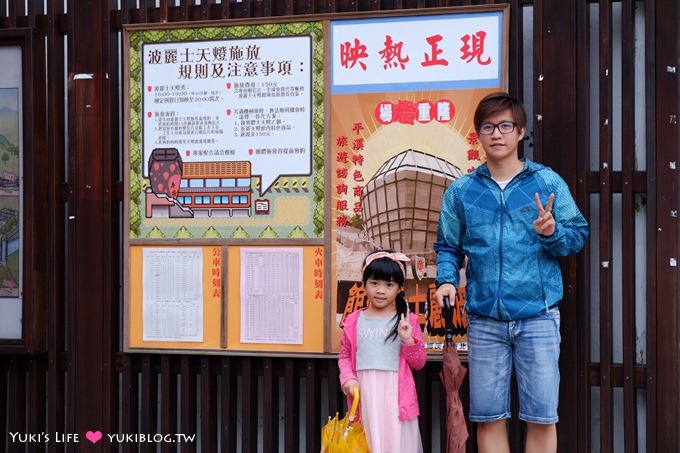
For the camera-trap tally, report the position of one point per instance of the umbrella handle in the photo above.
(355, 404)
(448, 321)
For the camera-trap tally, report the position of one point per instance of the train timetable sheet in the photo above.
(271, 295)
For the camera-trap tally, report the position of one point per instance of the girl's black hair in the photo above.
(389, 270)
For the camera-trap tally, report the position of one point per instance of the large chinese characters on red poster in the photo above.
(403, 94)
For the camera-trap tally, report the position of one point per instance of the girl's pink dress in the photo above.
(385, 394)
(380, 414)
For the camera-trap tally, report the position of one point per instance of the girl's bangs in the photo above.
(384, 269)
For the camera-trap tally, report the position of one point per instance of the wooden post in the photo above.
(92, 250)
(555, 47)
(664, 154)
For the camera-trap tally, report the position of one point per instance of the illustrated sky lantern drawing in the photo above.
(165, 171)
(402, 200)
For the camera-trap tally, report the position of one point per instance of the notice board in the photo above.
(265, 160)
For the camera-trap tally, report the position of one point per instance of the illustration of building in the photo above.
(197, 189)
(216, 189)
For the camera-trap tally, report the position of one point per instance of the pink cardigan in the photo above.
(412, 357)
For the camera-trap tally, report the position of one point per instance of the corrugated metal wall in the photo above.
(601, 80)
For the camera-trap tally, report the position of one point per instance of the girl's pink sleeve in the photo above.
(415, 354)
(345, 360)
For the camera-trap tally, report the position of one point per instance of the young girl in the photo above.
(380, 346)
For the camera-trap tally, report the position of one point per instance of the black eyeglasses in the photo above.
(505, 127)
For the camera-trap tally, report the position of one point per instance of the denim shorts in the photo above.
(532, 347)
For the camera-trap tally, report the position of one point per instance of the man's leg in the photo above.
(541, 438)
(492, 437)
(490, 372)
(537, 353)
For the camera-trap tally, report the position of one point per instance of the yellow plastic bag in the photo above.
(344, 435)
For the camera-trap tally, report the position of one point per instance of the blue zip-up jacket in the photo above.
(512, 272)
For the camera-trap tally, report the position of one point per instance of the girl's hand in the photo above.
(405, 330)
(348, 387)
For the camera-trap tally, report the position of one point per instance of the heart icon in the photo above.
(93, 436)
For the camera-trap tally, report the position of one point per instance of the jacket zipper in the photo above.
(499, 299)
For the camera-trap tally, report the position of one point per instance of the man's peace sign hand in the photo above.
(545, 223)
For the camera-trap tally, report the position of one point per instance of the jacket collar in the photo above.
(529, 167)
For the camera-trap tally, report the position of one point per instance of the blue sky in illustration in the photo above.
(8, 98)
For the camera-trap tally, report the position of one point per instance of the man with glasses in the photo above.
(512, 218)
